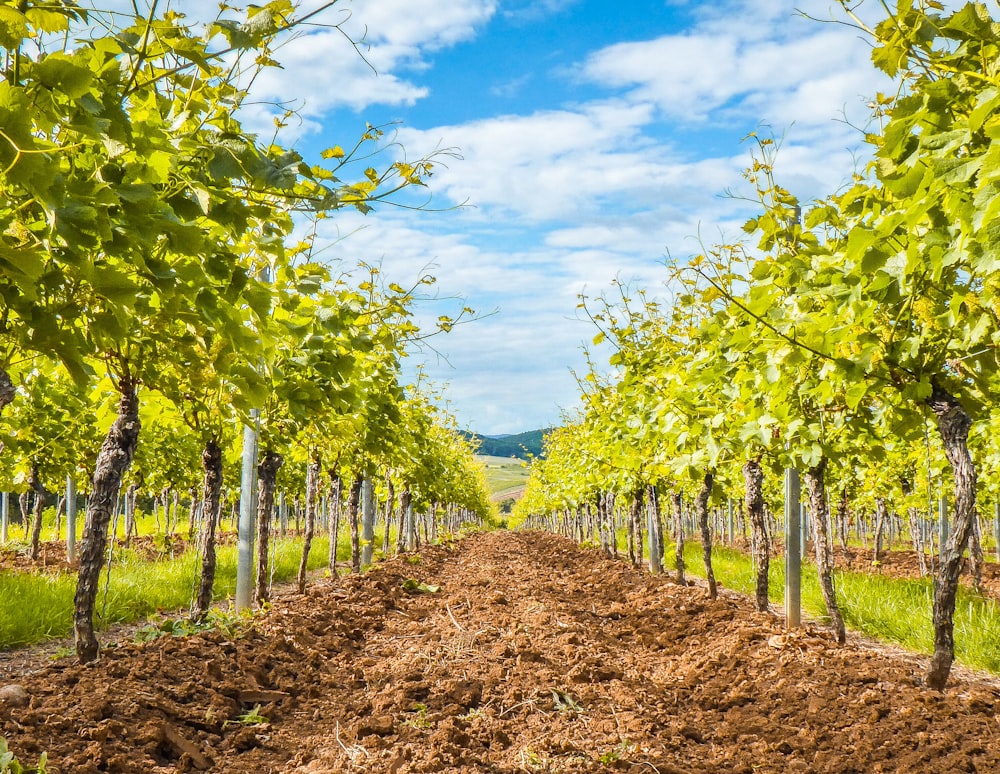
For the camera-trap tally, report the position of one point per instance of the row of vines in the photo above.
(162, 288)
(856, 342)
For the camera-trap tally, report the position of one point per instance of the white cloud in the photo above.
(775, 66)
(568, 198)
(392, 38)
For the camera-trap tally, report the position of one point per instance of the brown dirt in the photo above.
(52, 553)
(534, 656)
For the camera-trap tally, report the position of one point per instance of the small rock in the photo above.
(377, 726)
(14, 696)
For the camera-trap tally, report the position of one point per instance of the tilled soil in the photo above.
(532, 656)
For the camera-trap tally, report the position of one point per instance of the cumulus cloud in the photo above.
(767, 61)
(565, 199)
(372, 55)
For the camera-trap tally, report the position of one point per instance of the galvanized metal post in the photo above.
(996, 527)
(4, 516)
(653, 533)
(793, 549)
(247, 522)
(70, 519)
(804, 519)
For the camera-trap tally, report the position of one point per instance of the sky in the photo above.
(587, 142)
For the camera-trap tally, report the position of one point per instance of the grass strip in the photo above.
(894, 610)
(39, 605)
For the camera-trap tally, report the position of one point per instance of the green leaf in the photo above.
(13, 28)
(60, 72)
(419, 587)
(114, 285)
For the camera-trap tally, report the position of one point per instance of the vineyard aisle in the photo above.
(512, 652)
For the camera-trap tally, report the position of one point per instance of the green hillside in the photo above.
(504, 475)
(520, 445)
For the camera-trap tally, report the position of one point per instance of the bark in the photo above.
(194, 513)
(211, 464)
(390, 501)
(679, 538)
(815, 480)
(408, 516)
(636, 515)
(881, 513)
(701, 508)
(312, 490)
(60, 506)
(353, 500)
(953, 423)
(609, 519)
(753, 477)
(842, 523)
(176, 502)
(976, 558)
(130, 530)
(334, 521)
(267, 478)
(918, 543)
(7, 390)
(630, 539)
(41, 496)
(24, 504)
(113, 460)
(401, 536)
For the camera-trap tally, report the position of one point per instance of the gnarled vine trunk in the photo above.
(312, 492)
(267, 479)
(353, 500)
(953, 423)
(41, 497)
(211, 465)
(390, 502)
(407, 529)
(842, 525)
(753, 477)
(701, 507)
(815, 479)
(635, 518)
(881, 514)
(679, 537)
(334, 523)
(113, 460)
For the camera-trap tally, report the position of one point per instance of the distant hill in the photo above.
(519, 445)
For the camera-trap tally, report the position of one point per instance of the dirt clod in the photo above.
(14, 696)
(534, 656)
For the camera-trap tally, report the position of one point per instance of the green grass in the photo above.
(504, 474)
(890, 609)
(137, 589)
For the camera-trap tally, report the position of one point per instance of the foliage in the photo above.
(828, 342)
(10, 765)
(232, 625)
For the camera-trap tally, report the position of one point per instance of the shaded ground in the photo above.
(897, 563)
(905, 564)
(534, 656)
(52, 553)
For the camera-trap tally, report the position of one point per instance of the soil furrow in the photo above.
(520, 653)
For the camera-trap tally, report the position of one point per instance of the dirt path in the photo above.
(534, 656)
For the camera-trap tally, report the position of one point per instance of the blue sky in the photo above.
(594, 140)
